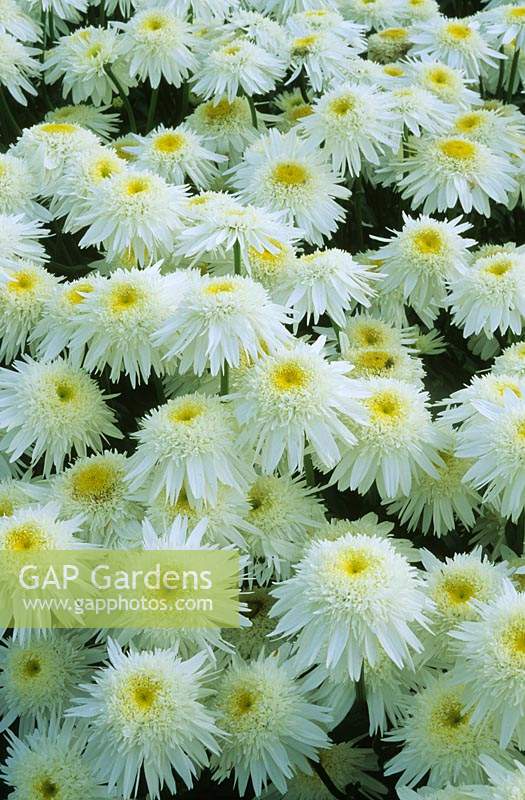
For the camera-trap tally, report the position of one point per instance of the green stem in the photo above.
(481, 87)
(102, 14)
(309, 471)
(237, 258)
(302, 88)
(51, 22)
(7, 111)
(152, 109)
(253, 112)
(225, 379)
(513, 70)
(358, 212)
(185, 101)
(501, 74)
(123, 97)
(327, 781)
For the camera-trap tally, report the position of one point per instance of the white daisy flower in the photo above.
(270, 268)
(389, 44)
(414, 11)
(18, 194)
(24, 290)
(420, 110)
(189, 443)
(463, 406)
(374, 13)
(444, 171)
(145, 714)
(326, 281)
(285, 173)
(440, 738)
(352, 123)
(98, 120)
(292, 107)
(51, 762)
(95, 489)
(39, 678)
(158, 45)
(116, 322)
(49, 148)
(349, 600)
(282, 514)
(445, 82)
(435, 503)
(491, 664)
(362, 331)
(219, 321)
(388, 362)
(53, 332)
(491, 127)
(218, 224)
(80, 61)
(457, 42)
(495, 441)
(272, 728)
(260, 29)
(176, 153)
(321, 56)
(226, 125)
(18, 66)
(511, 361)
(398, 443)
(19, 237)
(135, 211)
(422, 257)
(319, 18)
(490, 295)
(73, 193)
(51, 409)
(15, 20)
(507, 24)
(296, 397)
(15, 494)
(235, 66)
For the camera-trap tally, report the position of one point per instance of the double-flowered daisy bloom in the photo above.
(220, 321)
(456, 41)
(286, 173)
(189, 443)
(52, 409)
(351, 599)
(144, 712)
(296, 398)
(272, 728)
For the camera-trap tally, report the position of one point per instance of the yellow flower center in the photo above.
(428, 242)
(448, 717)
(368, 336)
(231, 50)
(342, 105)
(104, 168)
(75, 295)
(220, 287)
(219, 112)
(65, 391)
(517, 14)
(395, 34)
(393, 71)
(300, 112)
(468, 122)
(94, 482)
(459, 589)
(153, 23)
(458, 31)
(134, 186)
(243, 702)
(60, 128)
(46, 788)
(301, 45)
(31, 667)
(290, 173)
(124, 297)
(514, 640)
(143, 691)
(498, 268)
(289, 377)
(385, 407)
(94, 51)
(375, 361)
(186, 411)
(22, 282)
(356, 562)
(440, 76)
(26, 536)
(120, 149)
(169, 142)
(520, 430)
(458, 149)
(505, 386)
